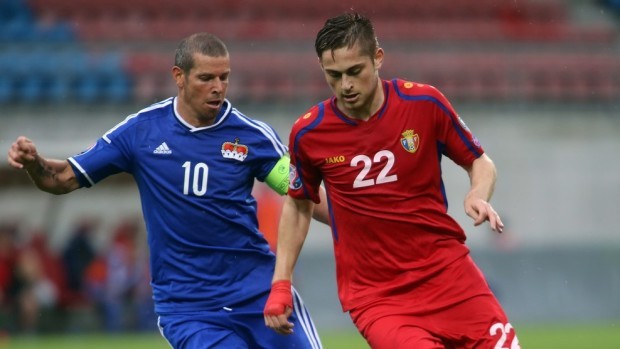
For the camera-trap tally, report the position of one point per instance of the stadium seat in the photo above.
(88, 89)
(31, 89)
(16, 29)
(60, 89)
(425, 41)
(69, 61)
(117, 89)
(6, 89)
(53, 32)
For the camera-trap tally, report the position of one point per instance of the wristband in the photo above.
(279, 298)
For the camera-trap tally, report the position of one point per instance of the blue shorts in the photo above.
(238, 327)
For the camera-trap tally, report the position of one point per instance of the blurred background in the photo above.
(538, 82)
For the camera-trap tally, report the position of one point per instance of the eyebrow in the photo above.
(210, 74)
(355, 66)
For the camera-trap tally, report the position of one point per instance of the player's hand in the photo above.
(279, 307)
(22, 153)
(480, 211)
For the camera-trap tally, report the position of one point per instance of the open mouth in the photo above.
(350, 98)
(214, 104)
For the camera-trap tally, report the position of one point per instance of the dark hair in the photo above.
(203, 43)
(345, 31)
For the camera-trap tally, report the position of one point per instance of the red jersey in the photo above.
(385, 193)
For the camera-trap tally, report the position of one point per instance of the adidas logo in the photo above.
(162, 149)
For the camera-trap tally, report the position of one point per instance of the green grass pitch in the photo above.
(530, 337)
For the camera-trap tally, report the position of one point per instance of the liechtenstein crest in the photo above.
(234, 150)
(410, 141)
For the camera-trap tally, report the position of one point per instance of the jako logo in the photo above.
(334, 159)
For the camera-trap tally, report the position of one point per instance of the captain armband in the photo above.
(277, 179)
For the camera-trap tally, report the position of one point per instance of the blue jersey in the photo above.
(195, 185)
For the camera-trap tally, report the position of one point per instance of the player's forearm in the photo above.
(52, 176)
(292, 232)
(483, 175)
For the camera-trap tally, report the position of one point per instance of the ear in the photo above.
(378, 60)
(178, 76)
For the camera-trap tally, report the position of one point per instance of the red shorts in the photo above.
(475, 322)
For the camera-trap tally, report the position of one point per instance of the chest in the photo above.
(196, 163)
(397, 145)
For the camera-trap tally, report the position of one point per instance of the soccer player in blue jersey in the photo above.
(194, 158)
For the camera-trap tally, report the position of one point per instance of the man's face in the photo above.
(353, 77)
(203, 89)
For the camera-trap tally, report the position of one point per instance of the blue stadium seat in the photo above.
(16, 29)
(55, 33)
(19, 60)
(60, 89)
(88, 89)
(10, 9)
(72, 61)
(108, 63)
(6, 89)
(114, 84)
(31, 89)
(117, 89)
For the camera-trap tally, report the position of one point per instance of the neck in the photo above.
(371, 107)
(194, 117)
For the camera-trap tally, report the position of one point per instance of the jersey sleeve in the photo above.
(304, 178)
(459, 143)
(266, 149)
(110, 155)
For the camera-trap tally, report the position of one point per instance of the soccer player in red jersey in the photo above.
(404, 272)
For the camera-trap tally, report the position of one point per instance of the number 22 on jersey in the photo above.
(362, 179)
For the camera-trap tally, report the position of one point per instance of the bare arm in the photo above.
(49, 175)
(482, 175)
(292, 232)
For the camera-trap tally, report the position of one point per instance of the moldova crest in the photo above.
(234, 150)
(410, 141)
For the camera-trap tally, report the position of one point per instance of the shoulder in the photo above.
(242, 122)
(154, 111)
(236, 116)
(149, 114)
(311, 118)
(415, 90)
(420, 92)
(254, 132)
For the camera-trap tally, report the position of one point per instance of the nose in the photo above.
(218, 85)
(346, 82)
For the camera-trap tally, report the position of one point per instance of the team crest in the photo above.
(410, 141)
(234, 150)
